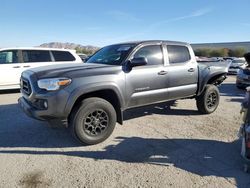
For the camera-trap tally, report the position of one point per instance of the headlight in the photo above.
(53, 84)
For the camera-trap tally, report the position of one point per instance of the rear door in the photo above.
(182, 72)
(36, 58)
(10, 69)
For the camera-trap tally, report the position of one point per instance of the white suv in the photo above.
(13, 61)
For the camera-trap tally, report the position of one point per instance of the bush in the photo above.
(84, 51)
(220, 52)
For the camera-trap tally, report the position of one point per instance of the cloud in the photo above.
(197, 13)
(150, 27)
(201, 12)
(122, 16)
(123, 38)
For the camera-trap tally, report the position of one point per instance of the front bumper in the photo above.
(28, 109)
(33, 100)
(55, 109)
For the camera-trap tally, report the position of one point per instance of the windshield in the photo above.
(111, 55)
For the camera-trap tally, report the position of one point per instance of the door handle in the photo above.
(26, 66)
(17, 67)
(191, 70)
(162, 72)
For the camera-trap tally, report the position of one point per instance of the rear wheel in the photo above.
(93, 121)
(208, 101)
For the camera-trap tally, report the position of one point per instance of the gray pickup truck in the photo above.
(92, 97)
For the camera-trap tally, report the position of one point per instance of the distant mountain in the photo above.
(67, 45)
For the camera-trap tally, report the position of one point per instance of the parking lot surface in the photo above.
(167, 145)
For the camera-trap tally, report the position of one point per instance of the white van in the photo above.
(13, 61)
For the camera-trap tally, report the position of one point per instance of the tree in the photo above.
(238, 52)
(220, 52)
(203, 52)
(216, 53)
(224, 52)
(84, 51)
(78, 50)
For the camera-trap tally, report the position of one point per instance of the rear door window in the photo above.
(178, 54)
(31, 56)
(63, 56)
(8, 56)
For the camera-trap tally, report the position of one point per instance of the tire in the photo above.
(209, 100)
(93, 121)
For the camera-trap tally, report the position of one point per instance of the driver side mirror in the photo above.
(138, 61)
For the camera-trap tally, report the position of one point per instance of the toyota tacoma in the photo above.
(91, 97)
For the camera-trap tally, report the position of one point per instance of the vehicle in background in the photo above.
(229, 59)
(83, 57)
(209, 59)
(13, 61)
(203, 59)
(243, 78)
(236, 65)
(219, 59)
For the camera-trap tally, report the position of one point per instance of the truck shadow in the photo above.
(9, 91)
(166, 108)
(18, 130)
(200, 157)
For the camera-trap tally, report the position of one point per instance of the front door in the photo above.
(10, 69)
(147, 84)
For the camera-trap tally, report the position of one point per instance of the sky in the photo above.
(104, 22)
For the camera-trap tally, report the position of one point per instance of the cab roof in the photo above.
(155, 41)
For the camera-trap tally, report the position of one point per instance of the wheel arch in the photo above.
(214, 79)
(110, 94)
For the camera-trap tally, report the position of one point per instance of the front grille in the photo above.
(25, 86)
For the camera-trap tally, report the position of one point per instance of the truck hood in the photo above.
(68, 70)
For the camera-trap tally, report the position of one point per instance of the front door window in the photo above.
(7, 57)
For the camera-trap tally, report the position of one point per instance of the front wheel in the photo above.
(93, 121)
(208, 101)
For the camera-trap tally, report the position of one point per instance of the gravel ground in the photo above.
(167, 145)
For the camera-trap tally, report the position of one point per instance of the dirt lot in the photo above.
(158, 146)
